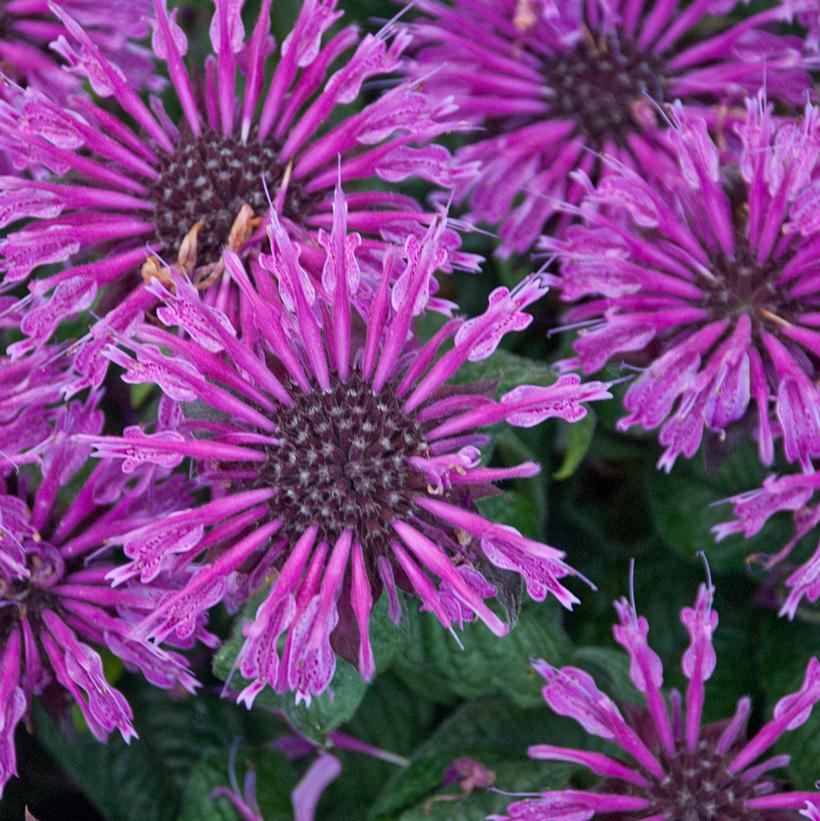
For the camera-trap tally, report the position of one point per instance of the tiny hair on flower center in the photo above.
(342, 462)
(599, 82)
(207, 179)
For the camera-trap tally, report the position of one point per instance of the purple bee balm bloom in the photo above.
(55, 599)
(679, 768)
(546, 81)
(342, 461)
(128, 181)
(711, 275)
(779, 494)
(31, 37)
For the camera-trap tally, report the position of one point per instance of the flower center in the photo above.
(45, 568)
(600, 82)
(742, 285)
(207, 179)
(342, 462)
(698, 787)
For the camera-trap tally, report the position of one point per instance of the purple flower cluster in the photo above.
(348, 469)
(119, 189)
(554, 84)
(709, 275)
(56, 601)
(33, 40)
(330, 456)
(680, 768)
(227, 238)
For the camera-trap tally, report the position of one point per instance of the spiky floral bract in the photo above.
(128, 182)
(342, 461)
(549, 85)
(56, 603)
(709, 275)
(32, 38)
(754, 508)
(680, 769)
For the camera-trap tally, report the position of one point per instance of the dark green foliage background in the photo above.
(599, 497)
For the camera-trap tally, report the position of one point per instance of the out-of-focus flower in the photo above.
(779, 494)
(55, 600)
(124, 188)
(343, 462)
(469, 775)
(31, 395)
(679, 768)
(32, 37)
(711, 274)
(550, 85)
(324, 769)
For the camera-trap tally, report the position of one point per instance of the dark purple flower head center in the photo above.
(698, 787)
(745, 285)
(343, 463)
(45, 568)
(207, 179)
(598, 84)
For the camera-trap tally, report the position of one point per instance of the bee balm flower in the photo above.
(550, 85)
(679, 768)
(343, 462)
(710, 274)
(31, 36)
(55, 601)
(128, 183)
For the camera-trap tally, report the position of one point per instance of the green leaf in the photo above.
(347, 689)
(392, 717)
(274, 776)
(146, 778)
(684, 509)
(450, 804)
(488, 664)
(511, 370)
(579, 438)
(491, 731)
(516, 509)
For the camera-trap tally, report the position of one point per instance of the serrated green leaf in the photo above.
(491, 731)
(450, 804)
(208, 773)
(347, 689)
(488, 664)
(393, 718)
